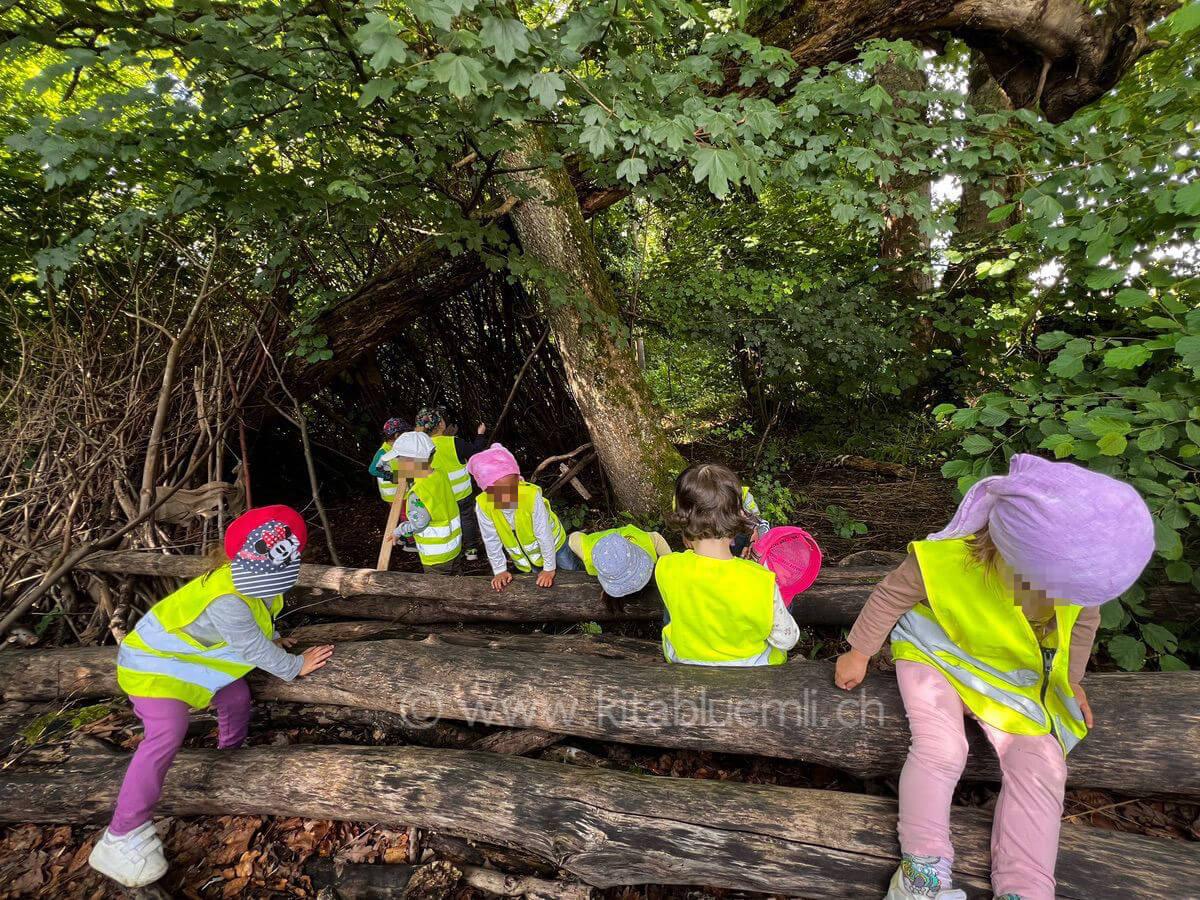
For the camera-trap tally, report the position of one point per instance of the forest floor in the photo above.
(261, 856)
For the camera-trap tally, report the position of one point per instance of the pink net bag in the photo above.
(793, 555)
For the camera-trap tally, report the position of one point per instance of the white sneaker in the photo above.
(411, 548)
(133, 860)
(472, 555)
(897, 891)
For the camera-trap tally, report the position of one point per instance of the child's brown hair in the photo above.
(708, 503)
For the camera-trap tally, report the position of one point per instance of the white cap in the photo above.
(411, 445)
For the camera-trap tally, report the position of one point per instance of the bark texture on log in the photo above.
(606, 828)
(1147, 740)
(412, 599)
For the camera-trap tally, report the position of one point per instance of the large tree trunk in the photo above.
(1086, 55)
(420, 599)
(1147, 740)
(606, 828)
(612, 395)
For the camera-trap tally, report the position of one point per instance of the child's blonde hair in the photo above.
(984, 551)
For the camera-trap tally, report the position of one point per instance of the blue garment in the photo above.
(565, 559)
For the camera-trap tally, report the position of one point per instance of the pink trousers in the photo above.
(1028, 810)
(166, 724)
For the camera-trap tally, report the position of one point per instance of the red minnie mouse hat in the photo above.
(239, 529)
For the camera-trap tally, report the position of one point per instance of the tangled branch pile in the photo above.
(117, 419)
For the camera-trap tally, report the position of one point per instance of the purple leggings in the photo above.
(166, 724)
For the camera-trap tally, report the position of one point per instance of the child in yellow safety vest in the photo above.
(721, 610)
(191, 650)
(517, 521)
(994, 616)
(386, 477)
(450, 455)
(622, 559)
(432, 517)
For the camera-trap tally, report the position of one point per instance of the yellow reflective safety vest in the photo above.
(387, 489)
(521, 543)
(445, 459)
(720, 611)
(631, 533)
(441, 541)
(157, 659)
(975, 633)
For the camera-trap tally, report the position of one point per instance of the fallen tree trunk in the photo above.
(418, 599)
(1147, 740)
(606, 828)
(377, 882)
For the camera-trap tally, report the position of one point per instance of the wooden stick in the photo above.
(517, 383)
(389, 541)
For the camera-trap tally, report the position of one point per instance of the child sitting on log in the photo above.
(515, 519)
(431, 512)
(191, 650)
(622, 559)
(994, 616)
(721, 610)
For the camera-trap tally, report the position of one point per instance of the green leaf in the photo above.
(1179, 571)
(462, 74)
(1187, 199)
(1188, 349)
(975, 444)
(1112, 615)
(1127, 652)
(377, 89)
(1132, 298)
(1112, 444)
(1045, 206)
(1000, 213)
(507, 38)
(632, 169)
(992, 417)
(720, 167)
(1186, 19)
(1052, 340)
(956, 468)
(597, 138)
(1159, 638)
(1167, 540)
(544, 87)
(1169, 663)
(942, 410)
(876, 97)
(1151, 439)
(1128, 357)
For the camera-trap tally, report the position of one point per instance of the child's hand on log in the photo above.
(315, 658)
(481, 430)
(546, 579)
(500, 582)
(1084, 706)
(851, 669)
(285, 642)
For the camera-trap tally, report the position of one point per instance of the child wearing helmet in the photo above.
(192, 650)
(994, 616)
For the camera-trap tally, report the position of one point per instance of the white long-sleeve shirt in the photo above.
(542, 530)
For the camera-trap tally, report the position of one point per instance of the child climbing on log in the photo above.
(385, 472)
(191, 650)
(450, 451)
(994, 616)
(622, 559)
(515, 519)
(431, 513)
(721, 610)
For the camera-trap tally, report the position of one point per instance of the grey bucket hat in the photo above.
(622, 567)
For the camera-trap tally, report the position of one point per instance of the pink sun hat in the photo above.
(490, 465)
(793, 555)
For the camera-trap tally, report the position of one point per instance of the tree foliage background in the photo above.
(879, 254)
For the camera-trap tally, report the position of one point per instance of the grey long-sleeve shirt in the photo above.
(229, 619)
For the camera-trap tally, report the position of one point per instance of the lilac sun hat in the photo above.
(1076, 534)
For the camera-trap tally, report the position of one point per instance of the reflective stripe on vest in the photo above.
(631, 533)
(387, 489)
(441, 540)
(158, 659)
(522, 546)
(1012, 681)
(721, 610)
(445, 459)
